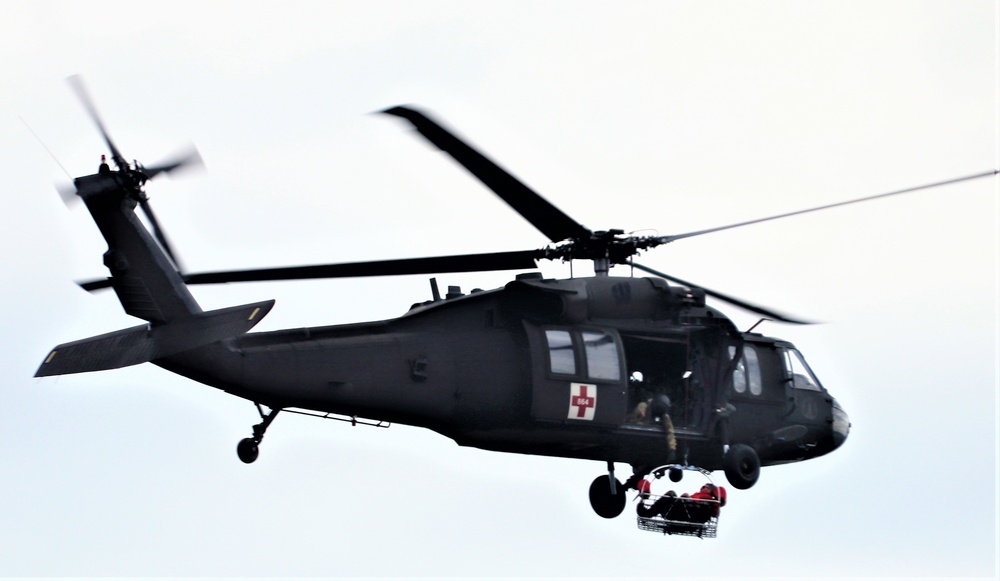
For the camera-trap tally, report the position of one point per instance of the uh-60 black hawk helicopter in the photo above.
(615, 369)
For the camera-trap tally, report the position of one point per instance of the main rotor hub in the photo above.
(604, 247)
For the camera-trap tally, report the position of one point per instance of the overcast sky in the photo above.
(646, 116)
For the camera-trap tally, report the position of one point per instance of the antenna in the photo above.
(45, 147)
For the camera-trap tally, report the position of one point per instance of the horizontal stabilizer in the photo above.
(146, 343)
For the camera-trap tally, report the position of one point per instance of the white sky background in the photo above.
(668, 116)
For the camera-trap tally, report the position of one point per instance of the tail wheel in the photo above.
(742, 466)
(249, 448)
(604, 503)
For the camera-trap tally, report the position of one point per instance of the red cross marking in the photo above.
(582, 402)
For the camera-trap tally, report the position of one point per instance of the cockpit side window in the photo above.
(746, 376)
(562, 359)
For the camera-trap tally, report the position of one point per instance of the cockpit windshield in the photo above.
(802, 376)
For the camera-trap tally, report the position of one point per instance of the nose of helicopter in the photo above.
(841, 425)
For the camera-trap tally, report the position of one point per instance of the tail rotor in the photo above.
(132, 177)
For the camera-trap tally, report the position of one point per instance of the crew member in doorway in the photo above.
(661, 410)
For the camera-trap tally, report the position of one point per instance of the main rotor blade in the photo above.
(158, 233)
(992, 172)
(518, 260)
(76, 82)
(438, 264)
(769, 313)
(550, 220)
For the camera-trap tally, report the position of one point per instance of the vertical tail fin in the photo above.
(143, 276)
(142, 273)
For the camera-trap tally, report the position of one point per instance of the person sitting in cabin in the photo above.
(640, 415)
(638, 392)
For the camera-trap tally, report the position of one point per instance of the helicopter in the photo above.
(631, 370)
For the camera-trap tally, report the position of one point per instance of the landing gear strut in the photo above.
(248, 448)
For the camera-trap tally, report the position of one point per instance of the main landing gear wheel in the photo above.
(249, 448)
(603, 502)
(742, 465)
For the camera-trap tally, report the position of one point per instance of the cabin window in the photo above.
(802, 376)
(561, 357)
(739, 374)
(753, 370)
(602, 355)
(746, 376)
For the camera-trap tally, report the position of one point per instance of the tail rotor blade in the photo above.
(158, 233)
(188, 160)
(78, 86)
(67, 193)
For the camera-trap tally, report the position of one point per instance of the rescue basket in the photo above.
(670, 513)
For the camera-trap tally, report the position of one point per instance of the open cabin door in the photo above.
(577, 375)
(675, 372)
(659, 375)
